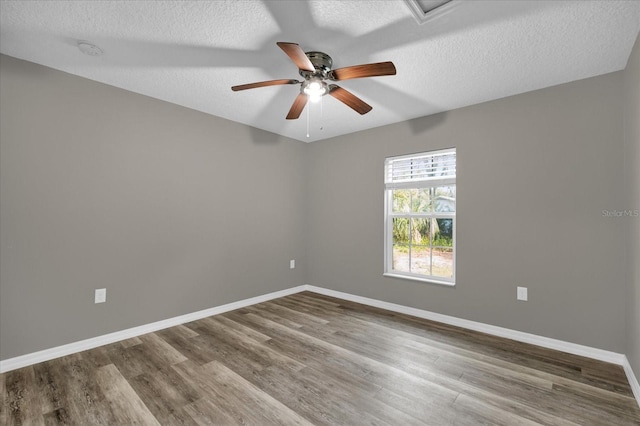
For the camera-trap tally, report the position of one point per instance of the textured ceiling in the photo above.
(191, 53)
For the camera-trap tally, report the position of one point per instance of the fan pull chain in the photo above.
(321, 114)
(308, 113)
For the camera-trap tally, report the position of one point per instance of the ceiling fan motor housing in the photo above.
(321, 62)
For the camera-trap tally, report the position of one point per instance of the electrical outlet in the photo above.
(101, 295)
(292, 264)
(523, 294)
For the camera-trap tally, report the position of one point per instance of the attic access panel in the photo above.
(425, 10)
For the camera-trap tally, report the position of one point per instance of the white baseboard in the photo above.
(633, 381)
(83, 345)
(545, 342)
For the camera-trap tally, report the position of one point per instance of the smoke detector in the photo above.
(89, 49)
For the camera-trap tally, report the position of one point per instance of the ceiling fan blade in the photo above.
(297, 107)
(263, 84)
(349, 99)
(366, 70)
(297, 55)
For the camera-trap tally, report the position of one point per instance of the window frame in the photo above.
(389, 215)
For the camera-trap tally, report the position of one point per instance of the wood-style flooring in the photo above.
(312, 359)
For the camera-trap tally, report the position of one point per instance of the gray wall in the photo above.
(174, 211)
(171, 210)
(632, 169)
(535, 172)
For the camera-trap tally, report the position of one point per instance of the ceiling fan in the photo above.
(315, 68)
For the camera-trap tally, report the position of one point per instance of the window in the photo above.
(420, 216)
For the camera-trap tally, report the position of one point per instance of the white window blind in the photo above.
(438, 167)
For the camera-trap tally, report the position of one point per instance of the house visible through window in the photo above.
(420, 216)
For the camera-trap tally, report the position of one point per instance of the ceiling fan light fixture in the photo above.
(315, 88)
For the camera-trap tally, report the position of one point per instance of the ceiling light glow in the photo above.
(315, 89)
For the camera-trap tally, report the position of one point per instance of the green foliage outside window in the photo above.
(423, 230)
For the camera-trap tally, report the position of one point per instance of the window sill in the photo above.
(424, 280)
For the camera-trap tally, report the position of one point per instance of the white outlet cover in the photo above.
(101, 295)
(292, 264)
(523, 294)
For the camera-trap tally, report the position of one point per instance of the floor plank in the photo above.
(127, 406)
(313, 359)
